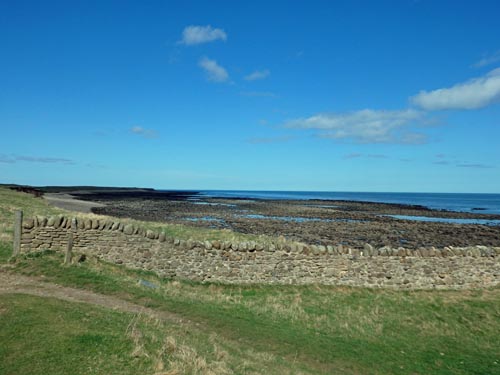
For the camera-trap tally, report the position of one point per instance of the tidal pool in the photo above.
(296, 219)
(205, 218)
(446, 220)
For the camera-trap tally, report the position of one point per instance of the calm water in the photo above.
(447, 220)
(479, 203)
(295, 219)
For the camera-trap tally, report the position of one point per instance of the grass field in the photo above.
(238, 329)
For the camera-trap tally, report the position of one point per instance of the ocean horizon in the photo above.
(486, 203)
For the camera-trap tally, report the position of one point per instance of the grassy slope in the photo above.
(10, 201)
(260, 329)
(49, 336)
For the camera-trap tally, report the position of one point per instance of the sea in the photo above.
(461, 202)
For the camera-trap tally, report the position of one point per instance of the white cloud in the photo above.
(475, 93)
(192, 35)
(364, 126)
(488, 60)
(258, 74)
(146, 133)
(215, 72)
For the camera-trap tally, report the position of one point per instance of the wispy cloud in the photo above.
(258, 74)
(475, 93)
(33, 159)
(281, 139)
(214, 71)
(6, 159)
(488, 60)
(263, 94)
(192, 35)
(38, 159)
(398, 126)
(364, 126)
(472, 165)
(146, 133)
(442, 159)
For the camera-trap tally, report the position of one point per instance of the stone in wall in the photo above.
(281, 262)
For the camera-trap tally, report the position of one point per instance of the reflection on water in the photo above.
(215, 204)
(322, 205)
(296, 219)
(446, 220)
(205, 218)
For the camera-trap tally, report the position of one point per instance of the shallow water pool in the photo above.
(446, 220)
(296, 219)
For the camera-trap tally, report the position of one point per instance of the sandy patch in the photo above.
(70, 203)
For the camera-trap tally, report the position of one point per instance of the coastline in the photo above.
(459, 202)
(322, 222)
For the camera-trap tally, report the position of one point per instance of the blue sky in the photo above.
(303, 95)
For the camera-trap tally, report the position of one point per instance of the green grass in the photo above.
(49, 336)
(5, 252)
(11, 201)
(322, 329)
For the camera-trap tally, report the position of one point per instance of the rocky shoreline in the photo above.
(318, 222)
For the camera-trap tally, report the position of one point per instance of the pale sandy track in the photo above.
(70, 203)
(18, 284)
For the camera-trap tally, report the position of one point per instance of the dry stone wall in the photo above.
(280, 262)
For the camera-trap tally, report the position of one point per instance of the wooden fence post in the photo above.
(18, 230)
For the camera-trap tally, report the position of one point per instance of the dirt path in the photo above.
(13, 283)
(70, 203)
